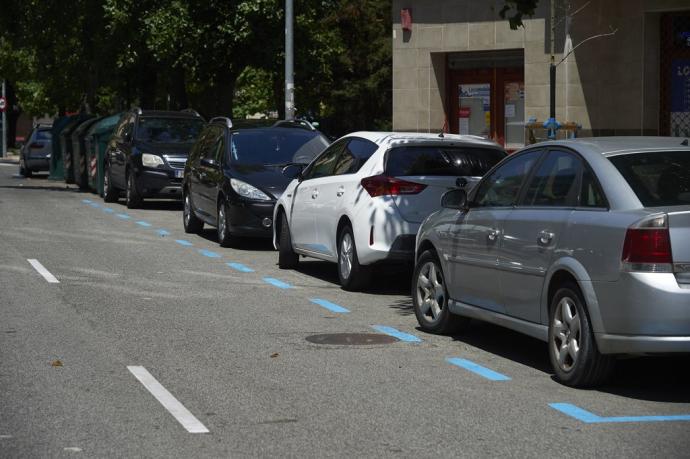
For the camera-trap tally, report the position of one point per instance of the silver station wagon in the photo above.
(584, 244)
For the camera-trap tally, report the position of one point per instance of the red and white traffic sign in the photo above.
(3, 104)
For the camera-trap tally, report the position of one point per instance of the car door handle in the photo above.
(340, 192)
(545, 237)
(492, 235)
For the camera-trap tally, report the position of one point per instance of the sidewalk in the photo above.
(10, 159)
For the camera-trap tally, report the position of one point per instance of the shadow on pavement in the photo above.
(507, 344)
(386, 280)
(42, 187)
(242, 243)
(658, 379)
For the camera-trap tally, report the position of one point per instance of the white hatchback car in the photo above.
(362, 200)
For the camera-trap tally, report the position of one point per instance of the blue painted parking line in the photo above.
(397, 334)
(477, 369)
(240, 267)
(108, 209)
(143, 223)
(208, 253)
(95, 205)
(330, 306)
(124, 216)
(277, 283)
(184, 243)
(591, 418)
(86, 201)
(163, 232)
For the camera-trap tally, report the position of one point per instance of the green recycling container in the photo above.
(95, 143)
(66, 146)
(57, 171)
(80, 166)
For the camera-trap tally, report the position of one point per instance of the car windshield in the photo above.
(169, 130)
(434, 160)
(276, 146)
(657, 178)
(44, 135)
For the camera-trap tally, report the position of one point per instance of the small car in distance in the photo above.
(235, 174)
(584, 244)
(35, 154)
(362, 200)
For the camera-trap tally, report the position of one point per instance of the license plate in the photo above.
(179, 174)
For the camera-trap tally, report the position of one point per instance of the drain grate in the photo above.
(351, 339)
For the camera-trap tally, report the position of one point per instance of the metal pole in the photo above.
(4, 124)
(552, 76)
(289, 63)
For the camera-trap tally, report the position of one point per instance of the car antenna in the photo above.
(684, 143)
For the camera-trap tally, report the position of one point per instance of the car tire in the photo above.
(134, 199)
(430, 297)
(352, 275)
(110, 193)
(573, 351)
(191, 223)
(225, 239)
(287, 258)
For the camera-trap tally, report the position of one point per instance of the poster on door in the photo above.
(680, 98)
(475, 99)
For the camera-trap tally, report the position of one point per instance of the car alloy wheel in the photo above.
(187, 211)
(346, 256)
(224, 238)
(430, 292)
(566, 336)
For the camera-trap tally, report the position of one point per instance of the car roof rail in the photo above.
(227, 122)
(192, 111)
(295, 123)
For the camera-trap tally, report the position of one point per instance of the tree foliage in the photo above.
(221, 57)
(516, 10)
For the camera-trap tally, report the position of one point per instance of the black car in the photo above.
(35, 154)
(234, 175)
(146, 155)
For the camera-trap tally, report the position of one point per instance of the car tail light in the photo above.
(647, 246)
(382, 185)
(36, 145)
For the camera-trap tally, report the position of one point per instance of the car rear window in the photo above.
(660, 178)
(44, 135)
(433, 160)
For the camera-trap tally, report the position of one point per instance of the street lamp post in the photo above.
(289, 63)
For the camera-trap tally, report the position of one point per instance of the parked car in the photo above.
(35, 154)
(362, 200)
(234, 176)
(584, 244)
(146, 155)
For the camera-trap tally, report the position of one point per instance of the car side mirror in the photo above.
(455, 199)
(293, 171)
(209, 162)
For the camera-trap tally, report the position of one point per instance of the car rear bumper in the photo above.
(622, 344)
(250, 218)
(644, 312)
(37, 164)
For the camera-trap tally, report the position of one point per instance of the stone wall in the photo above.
(609, 85)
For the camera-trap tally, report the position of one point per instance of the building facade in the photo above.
(458, 67)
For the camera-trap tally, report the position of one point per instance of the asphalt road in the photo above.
(151, 345)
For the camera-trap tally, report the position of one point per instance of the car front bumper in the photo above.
(250, 218)
(159, 184)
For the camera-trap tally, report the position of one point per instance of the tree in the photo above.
(515, 10)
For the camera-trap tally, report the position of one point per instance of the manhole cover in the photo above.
(352, 339)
